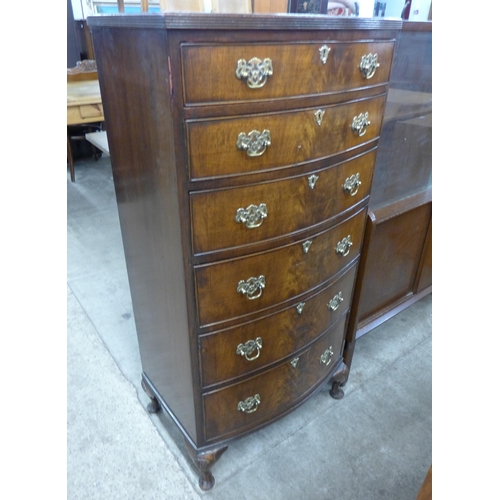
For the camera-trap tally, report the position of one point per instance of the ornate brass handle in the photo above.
(253, 216)
(255, 71)
(344, 246)
(249, 347)
(250, 404)
(334, 303)
(326, 357)
(252, 287)
(360, 123)
(351, 184)
(255, 143)
(368, 65)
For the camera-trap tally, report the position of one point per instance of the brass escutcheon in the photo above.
(351, 184)
(368, 65)
(294, 362)
(255, 143)
(300, 307)
(252, 287)
(319, 116)
(250, 404)
(311, 180)
(253, 216)
(360, 124)
(326, 357)
(334, 303)
(306, 245)
(344, 246)
(255, 71)
(323, 53)
(249, 347)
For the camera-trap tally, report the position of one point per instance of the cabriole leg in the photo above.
(339, 377)
(204, 462)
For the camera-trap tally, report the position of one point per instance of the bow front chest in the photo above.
(242, 150)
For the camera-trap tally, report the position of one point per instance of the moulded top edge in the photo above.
(195, 20)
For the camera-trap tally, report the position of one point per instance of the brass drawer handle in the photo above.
(326, 357)
(368, 65)
(252, 287)
(360, 124)
(323, 53)
(255, 143)
(344, 246)
(250, 404)
(253, 216)
(334, 303)
(249, 347)
(351, 184)
(255, 71)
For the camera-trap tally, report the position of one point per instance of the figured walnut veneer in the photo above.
(232, 203)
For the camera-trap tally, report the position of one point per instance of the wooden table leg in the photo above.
(70, 161)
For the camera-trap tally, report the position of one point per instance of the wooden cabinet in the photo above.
(396, 257)
(243, 150)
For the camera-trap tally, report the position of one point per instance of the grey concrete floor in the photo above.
(375, 443)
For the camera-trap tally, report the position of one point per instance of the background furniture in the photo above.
(396, 260)
(242, 150)
(84, 107)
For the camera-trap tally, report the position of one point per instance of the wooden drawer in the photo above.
(295, 137)
(290, 205)
(210, 70)
(280, 334)
(278, 389)
(286, 272)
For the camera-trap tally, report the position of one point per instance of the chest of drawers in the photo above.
(242, 150)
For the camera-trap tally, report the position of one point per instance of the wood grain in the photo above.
(295, 138)
(282, 334)
(209, 70)
(291, 205)
(288, 271)
(278, 389)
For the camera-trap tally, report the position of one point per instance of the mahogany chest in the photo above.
(242, 150)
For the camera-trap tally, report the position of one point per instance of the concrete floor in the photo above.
(375, 443)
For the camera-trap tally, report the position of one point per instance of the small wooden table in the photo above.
(84, 102)
(84, 105)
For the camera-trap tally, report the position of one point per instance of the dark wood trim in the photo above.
(259, 22)
(395, 308)
(417, 26)
(425, 249)
(392, 210)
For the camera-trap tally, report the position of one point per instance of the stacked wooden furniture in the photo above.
(396, 261)
(242, 150)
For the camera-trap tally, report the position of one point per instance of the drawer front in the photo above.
(277, 390)
(210, 71)
(247, 144)
(241, 350)
(245, 215)
(236, 287)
